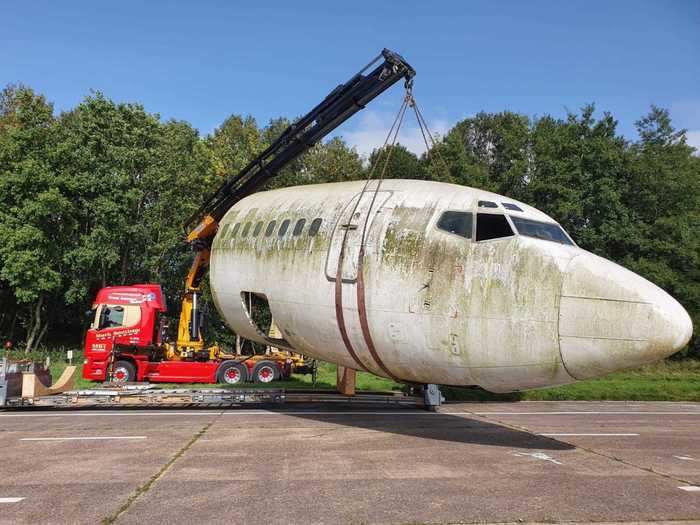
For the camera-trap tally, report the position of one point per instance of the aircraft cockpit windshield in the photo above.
(541, 230)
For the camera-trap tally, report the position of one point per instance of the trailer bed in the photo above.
(153, 396)
(111, 395)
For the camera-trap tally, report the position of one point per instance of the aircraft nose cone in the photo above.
(611, 319)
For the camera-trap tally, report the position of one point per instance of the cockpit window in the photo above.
(457, 222)
(511, 206)
(548, 231)
(487, 204)
(492, 226)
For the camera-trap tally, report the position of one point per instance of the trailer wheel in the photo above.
(232, 373)
(266, 372)
(123, 372)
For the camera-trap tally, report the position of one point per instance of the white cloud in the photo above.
(693, 139)
(371, 130)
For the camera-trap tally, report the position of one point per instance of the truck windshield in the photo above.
(548, 231)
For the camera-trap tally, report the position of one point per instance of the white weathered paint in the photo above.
(506, 314)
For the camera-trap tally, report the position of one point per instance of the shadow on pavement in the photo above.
(437, 426)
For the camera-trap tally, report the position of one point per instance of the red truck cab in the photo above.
(126, 317)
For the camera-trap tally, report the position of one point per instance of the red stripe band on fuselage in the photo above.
(339, 314)
(362, 311)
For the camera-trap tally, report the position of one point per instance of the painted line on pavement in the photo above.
(565, 434)
(10, 500)
(82, 438)
(105, 414)
(690, 488)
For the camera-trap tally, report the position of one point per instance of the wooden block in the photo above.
(66, 382)
(345, 381)
(32, 387)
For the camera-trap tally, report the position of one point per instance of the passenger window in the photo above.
(235, 230)
(283, 228)
(492, 226)
(224, 231)
(298, 227)
(315, 226)
(487, 204)
(457, 222)
(270, 228)
(246, 229)
(257, 229)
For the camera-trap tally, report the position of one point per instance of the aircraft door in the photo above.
(349, 227)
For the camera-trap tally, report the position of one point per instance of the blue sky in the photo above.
(202, 61)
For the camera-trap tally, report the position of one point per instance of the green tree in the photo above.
(105, 150)
(402, 164)
(290, 175)
(579, 174)
(234, 144)
(664, 195)
(135, 181)
(175, 185)
(35, 211)
(331, 161)
(488, 151)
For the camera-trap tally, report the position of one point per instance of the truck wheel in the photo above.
(232, 373)
(266, 372)
(123, 372)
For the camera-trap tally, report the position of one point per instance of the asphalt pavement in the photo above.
(312, 464)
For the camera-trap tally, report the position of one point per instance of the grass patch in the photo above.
(664, 381)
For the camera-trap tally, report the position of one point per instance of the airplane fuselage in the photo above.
(429, 282)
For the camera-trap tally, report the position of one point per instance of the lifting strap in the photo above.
(390, 140)
(387, 150)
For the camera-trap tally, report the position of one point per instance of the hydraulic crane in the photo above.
(336, 108)
(341, 104)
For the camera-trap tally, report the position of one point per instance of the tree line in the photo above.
(96, 195)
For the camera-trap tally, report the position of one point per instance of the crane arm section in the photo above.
(338, 106)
